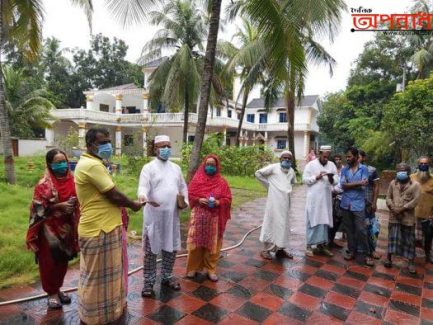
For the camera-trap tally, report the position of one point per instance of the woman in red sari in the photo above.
(52, 232)
(210, 199)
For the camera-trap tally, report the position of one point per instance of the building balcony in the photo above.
(165, 119)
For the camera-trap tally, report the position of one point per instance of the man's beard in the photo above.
(423, 177)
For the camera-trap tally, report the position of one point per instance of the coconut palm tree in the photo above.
(21, 27)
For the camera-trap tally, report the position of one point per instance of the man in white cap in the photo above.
(278, 179)
(161, 182)
(320, 175)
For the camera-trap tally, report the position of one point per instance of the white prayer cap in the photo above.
(325, 148)
(162, 138)
(286, 152)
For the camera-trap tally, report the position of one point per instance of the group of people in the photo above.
(86, 214)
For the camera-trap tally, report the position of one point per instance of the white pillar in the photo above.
(266, 138)
(145, 103)
(254, 138)
(49, 136)
(89, 102)
(225, 137)
(306, 143)
(144, 142)
(119, 104)
(82, 135)
(118, 141)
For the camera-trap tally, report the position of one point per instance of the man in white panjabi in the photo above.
(320, 175)
(278, 179)
(161, 181)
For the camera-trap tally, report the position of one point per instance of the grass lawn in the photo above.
(17, 265)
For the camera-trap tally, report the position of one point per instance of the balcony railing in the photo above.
(166, 119)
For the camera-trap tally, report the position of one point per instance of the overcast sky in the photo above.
(69, 24)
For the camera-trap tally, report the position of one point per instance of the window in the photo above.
(104, 108)
(128, 140)
(263, 118)
(250, 118)
(281, 144)
(238, 116)
(191, 138)
(283, 117)
(218, 111)
(229, 113)
(131, 109)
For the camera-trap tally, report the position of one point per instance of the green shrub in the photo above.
(134, 164)
(241, 161)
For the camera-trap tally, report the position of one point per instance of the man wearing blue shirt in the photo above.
(354, 178)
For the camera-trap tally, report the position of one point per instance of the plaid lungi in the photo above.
(401, 240)
(101, 289)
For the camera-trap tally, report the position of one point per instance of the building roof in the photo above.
(154, 63)
(120, 87)
(308, 100)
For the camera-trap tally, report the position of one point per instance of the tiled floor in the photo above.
(251, 290)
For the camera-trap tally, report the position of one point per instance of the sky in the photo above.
(69, 24)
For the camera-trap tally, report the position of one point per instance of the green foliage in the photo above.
(240, 161)
(69, 142)
(134, 164)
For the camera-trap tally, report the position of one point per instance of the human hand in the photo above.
(136, 205)
(66, 207)
(142, 198)
(217, 203)
(321, 175)
(203, 201)
(364, 182)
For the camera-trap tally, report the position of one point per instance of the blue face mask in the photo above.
(423, 168)
(164, 153)
(286, 164)
(59, 168)
(402, 176)
(210, 170)
(105, 150)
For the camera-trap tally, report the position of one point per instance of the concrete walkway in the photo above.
(251, 290)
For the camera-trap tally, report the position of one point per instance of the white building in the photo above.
(124, 111)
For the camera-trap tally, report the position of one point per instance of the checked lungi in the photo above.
(401, 240)
(101, 289)
(149, 265)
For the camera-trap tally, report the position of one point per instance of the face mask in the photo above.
(164, 153)
(59, 168)
(286, 164)
(423, 168)
(105, 150)
(210, 170)
(402, 176)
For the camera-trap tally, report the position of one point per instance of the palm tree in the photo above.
(250, 57)
(27, 109)
(21, 26)
(176, 81)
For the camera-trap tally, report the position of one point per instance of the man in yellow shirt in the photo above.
(102, 287)
(424, 209)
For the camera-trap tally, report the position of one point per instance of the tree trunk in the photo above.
(4, 122)
(241, 120)
(205, 87)
(291, 125)
(186, 116)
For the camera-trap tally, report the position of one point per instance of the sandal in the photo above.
(266, 255)
(53, 303)
(388, 264)
(376, 256)
(412, 269)
(171, 283)
(281, 253)
(64, 298)
(309, 252)
(147, 293)
(212, 277)
(369, 261)
(349, 256)
(191, 275)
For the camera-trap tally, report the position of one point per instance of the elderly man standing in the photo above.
(320, 175)
(102, 287)
(424, 209)
(278, 179)
(401, 199)
(161, 184)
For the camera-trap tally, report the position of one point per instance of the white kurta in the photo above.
(318, 207)
(161, 182)
(276, 222)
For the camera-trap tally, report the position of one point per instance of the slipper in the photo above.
(281, 253)
(266, 255)
(387, 264)
(53, 303)
(171, 283)
(212, 277)
(191, 275)
(147, 293)
(64, 298)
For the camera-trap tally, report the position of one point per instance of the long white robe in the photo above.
(276, 222)
(318, 207)
(161, 182)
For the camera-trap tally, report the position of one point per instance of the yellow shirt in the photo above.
(98, 214)
(424, 209)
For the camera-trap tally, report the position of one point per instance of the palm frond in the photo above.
(129, 12)
(87, 6)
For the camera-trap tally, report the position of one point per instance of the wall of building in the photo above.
(32, 147)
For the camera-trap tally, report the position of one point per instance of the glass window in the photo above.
(263, 118)
(218, 111)
(229, 113)
(281, 144)
(250, 118)
(283, 117)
